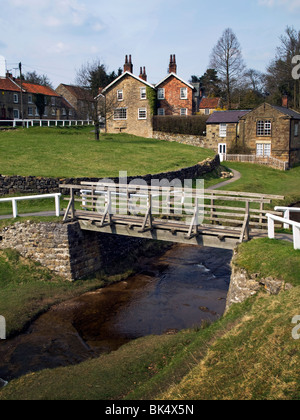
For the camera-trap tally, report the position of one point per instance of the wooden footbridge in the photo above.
(214, 218)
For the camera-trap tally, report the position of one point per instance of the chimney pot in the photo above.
(285, 101)
(173, 65)
(128, 64)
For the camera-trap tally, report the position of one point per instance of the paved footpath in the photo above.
(236, 176)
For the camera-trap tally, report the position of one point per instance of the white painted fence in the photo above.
(14, 201)
(296, 228)
(45, 123)
(286, 213)
(266, 160)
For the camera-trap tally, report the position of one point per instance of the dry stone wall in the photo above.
(40, 185)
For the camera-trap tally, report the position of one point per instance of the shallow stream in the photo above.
(181, 289)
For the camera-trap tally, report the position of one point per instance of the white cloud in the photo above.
(290, 5)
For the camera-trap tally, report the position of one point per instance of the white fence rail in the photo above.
(44, 123)
(296, 228)
(287, 213)
(14, 201)
(267, 160)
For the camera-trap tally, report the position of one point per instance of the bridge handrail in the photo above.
(14, 201)
(296, 228)
(286, 213)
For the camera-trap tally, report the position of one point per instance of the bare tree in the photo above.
(93, 77)
(226, 59)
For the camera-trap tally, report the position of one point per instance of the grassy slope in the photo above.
(261, 179)
(73, 152)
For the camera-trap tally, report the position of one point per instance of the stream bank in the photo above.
(181, 289)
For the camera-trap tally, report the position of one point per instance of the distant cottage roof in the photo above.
(78, 92)
(126, 73)
(290, 112)
(223, 117)
(177, 77)
(8, 84)
(209, 103)
(39, 89)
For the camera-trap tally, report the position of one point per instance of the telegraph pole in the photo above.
(22, 113)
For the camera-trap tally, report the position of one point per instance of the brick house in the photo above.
(13, 106)
(272, 131)
(222, 130)
(129, 103)
(175, 96)
(80, 99)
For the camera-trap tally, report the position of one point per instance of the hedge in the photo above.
(193, 125)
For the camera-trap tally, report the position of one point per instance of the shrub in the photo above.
(193, 125)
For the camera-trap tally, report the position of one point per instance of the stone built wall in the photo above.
(40, 185)
(66, 249)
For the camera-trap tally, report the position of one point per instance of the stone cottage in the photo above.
(130, 103)
(273, 131)
(222, 130)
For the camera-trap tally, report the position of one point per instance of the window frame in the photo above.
(16, 98)
(120, 117)
(161, 94)
(120, 95)
(161, 112)
(263, 128)
(143, 93)
(265, 149)
(142, 113)
(223, 130)
(183, 112)
(183, 93)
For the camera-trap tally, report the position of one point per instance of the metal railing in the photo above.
(14, 201)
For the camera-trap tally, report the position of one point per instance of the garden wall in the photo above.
(41, 185)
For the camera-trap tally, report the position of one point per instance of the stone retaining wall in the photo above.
(65, 248)
(198, 141)
(40, 185)
(244, 285)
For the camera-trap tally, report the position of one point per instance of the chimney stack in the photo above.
(128, 66)
(143, 74)
(173, 65)
(285, 101)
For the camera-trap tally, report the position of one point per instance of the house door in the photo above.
(222, 151)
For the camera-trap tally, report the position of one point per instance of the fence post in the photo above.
(296, 235)
(15, 208)
(287, 217)
(271, 228)
(57, 205)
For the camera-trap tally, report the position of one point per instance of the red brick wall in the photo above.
(172, 104)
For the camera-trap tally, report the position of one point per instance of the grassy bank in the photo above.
(264, 180)
(247, 354)
(73, 152)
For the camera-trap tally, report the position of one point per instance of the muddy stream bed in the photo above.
(179, 290)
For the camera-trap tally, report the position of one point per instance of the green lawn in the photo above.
(73, 152)
(262, 179)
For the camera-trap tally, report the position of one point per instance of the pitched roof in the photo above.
(79, 92)
(220, 117)
(177, 77)
(127, 73)
(209, 103)
(8, 84)
(287, 111)
(39, 89)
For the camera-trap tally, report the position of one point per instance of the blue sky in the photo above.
(55, 37)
